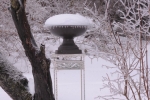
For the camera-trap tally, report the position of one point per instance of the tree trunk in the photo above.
(40, 64)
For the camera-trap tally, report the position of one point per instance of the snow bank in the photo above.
(67, 19)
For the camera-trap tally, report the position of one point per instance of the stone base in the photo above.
(68, 52)
(68, 47)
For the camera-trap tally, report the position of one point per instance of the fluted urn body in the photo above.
(68, 32)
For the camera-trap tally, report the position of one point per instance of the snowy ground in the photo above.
(69, 81)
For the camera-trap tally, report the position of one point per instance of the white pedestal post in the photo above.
(69, 62)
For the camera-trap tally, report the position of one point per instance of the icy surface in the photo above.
(67, 19)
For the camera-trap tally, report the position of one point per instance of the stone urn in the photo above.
(67, 26)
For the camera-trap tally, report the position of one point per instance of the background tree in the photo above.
(129, 41)
(117, 35)
(40, 64)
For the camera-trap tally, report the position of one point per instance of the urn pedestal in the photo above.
(68, 32)
(68, 56)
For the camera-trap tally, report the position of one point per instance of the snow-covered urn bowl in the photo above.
(67, 26)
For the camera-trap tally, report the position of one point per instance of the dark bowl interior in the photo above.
(68, 31)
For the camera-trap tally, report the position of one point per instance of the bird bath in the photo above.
(67, 26)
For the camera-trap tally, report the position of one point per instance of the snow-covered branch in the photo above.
(12, 81)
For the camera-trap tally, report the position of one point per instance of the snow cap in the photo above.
(67, 20)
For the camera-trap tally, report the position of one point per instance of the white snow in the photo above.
(31, 82)
(67, 19)
(69, 80)
(4, 95)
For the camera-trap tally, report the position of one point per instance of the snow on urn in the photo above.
(67, 26)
